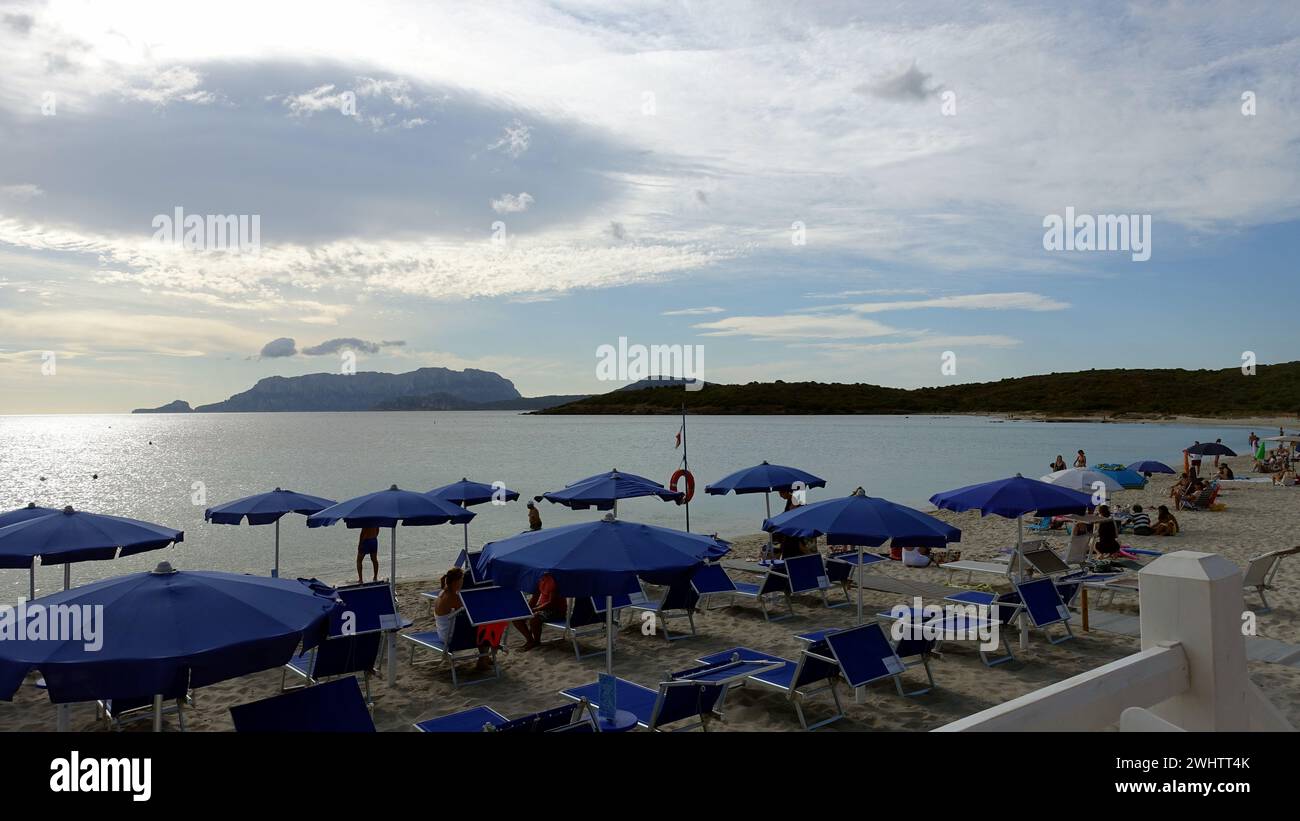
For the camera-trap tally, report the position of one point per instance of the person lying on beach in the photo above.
(547, 605)
(1059, 464)
(445, 609)
(368, 545)
(1107, 543)
(1166, 524)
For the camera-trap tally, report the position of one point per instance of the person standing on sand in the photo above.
(1081, 461)
(1254, 440)
(368, 545)
(534, 517)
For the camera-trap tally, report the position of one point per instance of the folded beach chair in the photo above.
(808, 574)
(1259, 574)
(813, 674)
(473, 720)
(679, 602)
(486, 610)
(1043, 604)
(866, 655)
(333, 707)
(774, 583)
(1203, 500)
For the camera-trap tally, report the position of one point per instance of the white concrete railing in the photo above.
(1191, 671)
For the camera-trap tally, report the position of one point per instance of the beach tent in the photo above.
(389, 508)
(602, 558)
(863, 521)
(1128, 479)
(466, 494)
(765, 479)
(265, 509)
(603, 491)
(163, 627)
(66, 536)
(1013, 498)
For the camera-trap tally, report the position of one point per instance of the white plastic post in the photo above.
(1195, 599)
(275, 573)
(391, 678)
(609, 635)
(157, 713)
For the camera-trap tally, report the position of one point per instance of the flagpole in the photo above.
(686, 466)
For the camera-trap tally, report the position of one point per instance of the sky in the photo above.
(839, 192)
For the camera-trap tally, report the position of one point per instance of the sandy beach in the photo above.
(1257, 518)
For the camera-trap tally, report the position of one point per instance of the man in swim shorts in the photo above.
(368, 545)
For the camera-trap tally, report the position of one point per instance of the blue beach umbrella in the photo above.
(1012, 499)
(163, 627)
(603, 491)
(1150, 466)
(764, 478)
(265, 508)
(863, 521)
(22, 514)
(602, 558)
(69, 535)
(389, 508)
(1128, 479)
(466, 494)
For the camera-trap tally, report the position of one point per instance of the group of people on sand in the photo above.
(546, 604)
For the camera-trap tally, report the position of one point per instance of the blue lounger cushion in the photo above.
(466, 721)
(972, 597)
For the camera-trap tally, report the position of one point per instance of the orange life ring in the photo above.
(690, 485)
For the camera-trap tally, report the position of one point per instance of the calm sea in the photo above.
(167, 468)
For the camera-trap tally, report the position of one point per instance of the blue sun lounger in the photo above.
(673, 702)
(814, 673)
(333, 707)
(679, 602)
(954, 627)
(483, 606)
(866, 655)
(1039, 598)
(466, 560)
(775, 582)
(808, 574)
(843, 568)
(473, 720)
(355, 638)
(711, 580)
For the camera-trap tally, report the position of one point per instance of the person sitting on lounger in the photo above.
(1107, 543)
(1166, 524)
(445, 609)
(547, 605)
(1286, 477)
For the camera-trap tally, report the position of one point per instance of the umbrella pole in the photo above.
(275, 573)
(60, 718)
(767, 503)
(858, 570)
(67, 575)
(157, 713)
(1020, 577)
(467, 539)
(391, 677)
(31, 581)
(609, 635)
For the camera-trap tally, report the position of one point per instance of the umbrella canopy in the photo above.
(1211, 449)
(1287, 438)
(1150, 466)
(265, 508)
(863, 520)
(1082, 479)
(22, 514)
(763, 478)
(389, 508)
(1014, 497)
(77, 536)
(165, 626)
(602, 558)
(467, 493)
(603, 490)
(1128, 479)
(596, 558)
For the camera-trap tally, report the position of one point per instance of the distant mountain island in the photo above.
(422, 389)
(1116, 393)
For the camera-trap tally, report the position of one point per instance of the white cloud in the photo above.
(21, 192)
(512, 203)
(514, 141)
(712, 309)
(796, 327)
(1014, 301)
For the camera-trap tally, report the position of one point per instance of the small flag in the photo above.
(679, 439)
